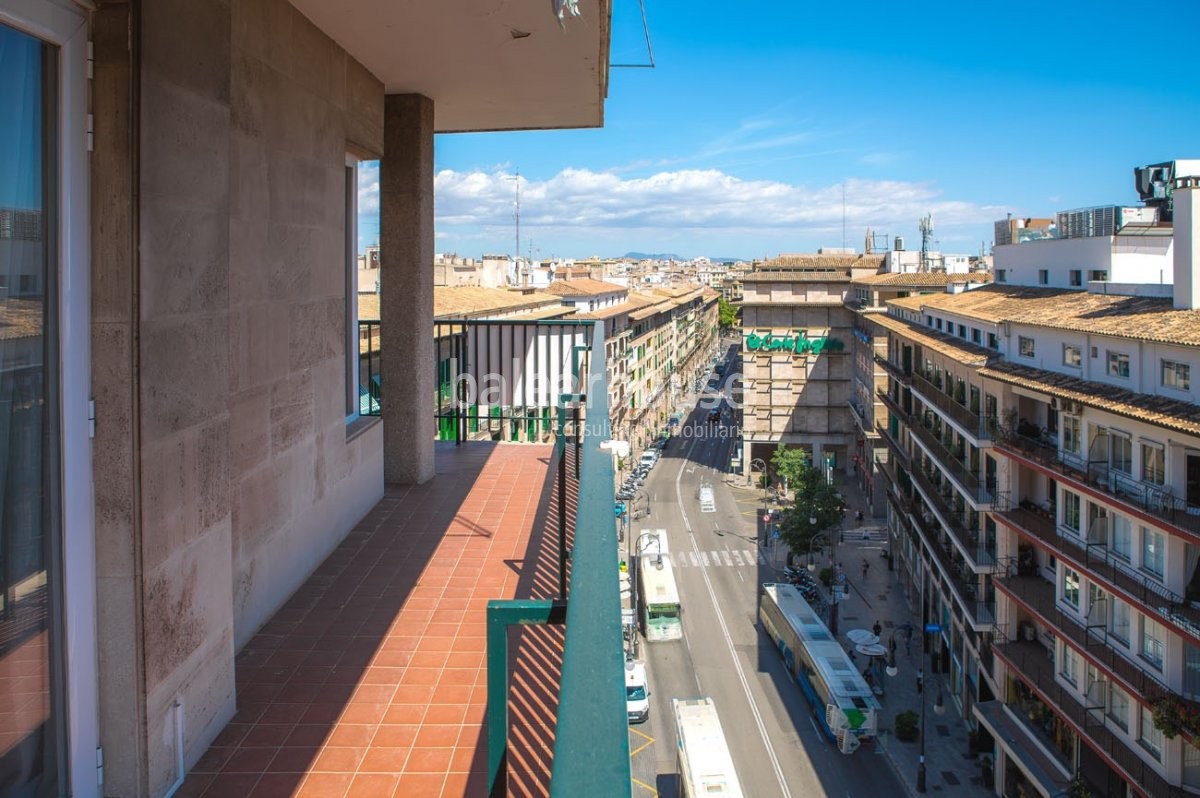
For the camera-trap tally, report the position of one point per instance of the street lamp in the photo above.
(640, 493)
(939, 706)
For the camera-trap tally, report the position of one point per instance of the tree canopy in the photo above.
(727, 313)
(813, 506)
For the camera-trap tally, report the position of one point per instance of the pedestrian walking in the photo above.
(877, 629)
(866, 567)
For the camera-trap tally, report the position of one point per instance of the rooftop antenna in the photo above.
(843, 216)
(926, 234)
(517, 216)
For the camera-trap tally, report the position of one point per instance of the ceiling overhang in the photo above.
(486, 64)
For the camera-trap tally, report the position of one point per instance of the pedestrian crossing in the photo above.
(718, 558)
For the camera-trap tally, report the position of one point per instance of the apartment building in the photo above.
(660, 341)
(866, 300)
(181, 439)
(796, 356)
(1043, 487)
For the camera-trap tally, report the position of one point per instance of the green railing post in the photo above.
(500, 615)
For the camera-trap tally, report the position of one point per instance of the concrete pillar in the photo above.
(406, 288)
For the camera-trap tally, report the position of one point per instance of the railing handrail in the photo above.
(591, 743)
(973, 423)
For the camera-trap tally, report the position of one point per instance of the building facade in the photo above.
(1043, 487)
(797, 356)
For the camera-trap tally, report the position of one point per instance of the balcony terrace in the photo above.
(1155, 503)
(1106, 567)
(981, 553)
(427, 655)
(968, 483)
(897, 373)
(1036, 595)
(972, 423)
(1028, 662)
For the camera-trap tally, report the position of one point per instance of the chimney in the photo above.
(1187, 244)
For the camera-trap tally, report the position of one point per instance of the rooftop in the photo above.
(584, 286)
(808, 261)
(1161, 410)
(954, 348)
(20, 318)
(1143, 318)
(922, 279)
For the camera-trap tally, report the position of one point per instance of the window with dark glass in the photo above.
(31, 696)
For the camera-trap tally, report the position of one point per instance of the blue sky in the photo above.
(741, 139)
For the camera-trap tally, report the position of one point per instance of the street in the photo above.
(772, 735)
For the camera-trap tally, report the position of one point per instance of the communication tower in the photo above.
(926, 228)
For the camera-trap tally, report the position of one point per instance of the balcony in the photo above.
(1038, 596)
(895, 371)
(955, 520)
(1029, 664)
(383, 674)
(1155, 501)
(968, 483)
(866, 426)
(957, 573)
(972, 423)
(1106, 566)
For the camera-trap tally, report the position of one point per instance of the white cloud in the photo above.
(708, 200)
(368, 188)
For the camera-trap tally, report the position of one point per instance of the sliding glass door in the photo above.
(32, 760)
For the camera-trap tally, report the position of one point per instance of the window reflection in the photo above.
(28, 742)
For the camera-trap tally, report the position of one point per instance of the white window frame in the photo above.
(62, 26)
(1120, 620)
(1176, 382)
(1118, 707)
(1069, 361)
(1022, 340)
(1117, 364)
(1156, 567)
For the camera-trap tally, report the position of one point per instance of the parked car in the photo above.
(714, 416)
(649, 458)
(637, 693)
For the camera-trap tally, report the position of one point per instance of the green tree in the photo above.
(727, 313)
(813, 506)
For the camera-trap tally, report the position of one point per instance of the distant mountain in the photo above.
(652, 256)
(672, 256)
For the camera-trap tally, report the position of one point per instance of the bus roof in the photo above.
(658, 583)
(651, 541)
(702, 741)
(845, 683)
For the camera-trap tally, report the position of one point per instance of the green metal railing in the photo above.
(591, 745)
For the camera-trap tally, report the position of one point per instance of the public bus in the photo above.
(660, 596)
(705, 765)
(841, 699)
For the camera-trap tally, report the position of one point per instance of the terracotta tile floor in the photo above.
(371, 680)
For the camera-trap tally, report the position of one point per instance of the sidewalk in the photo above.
(881, 597)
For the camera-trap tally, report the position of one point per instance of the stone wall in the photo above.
(225, 470)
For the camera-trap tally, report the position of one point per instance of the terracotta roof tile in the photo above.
(954, 348)
(583, 287)
(1161, 410)
(923, 279)
(1143, 318)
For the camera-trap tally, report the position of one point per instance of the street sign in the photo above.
(627, 617)
(933, 628)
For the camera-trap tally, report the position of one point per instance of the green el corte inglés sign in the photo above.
(797, 344)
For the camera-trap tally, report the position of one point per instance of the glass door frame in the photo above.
(64, 26)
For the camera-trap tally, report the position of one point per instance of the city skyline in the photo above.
(741, 139)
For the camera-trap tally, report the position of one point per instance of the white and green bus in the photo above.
(841, 699)
(705, 764)
(659, 594)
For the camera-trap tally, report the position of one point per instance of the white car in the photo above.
(649, 458)
(637, 692)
